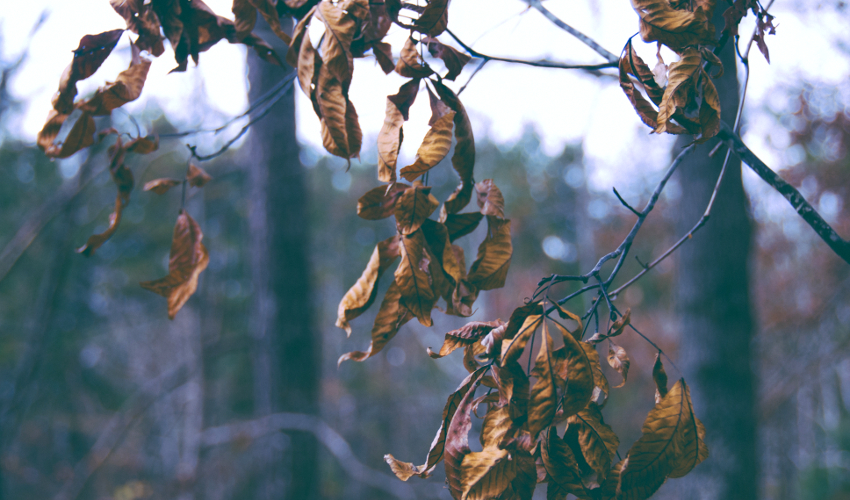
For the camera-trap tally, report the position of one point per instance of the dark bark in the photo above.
(286, 349)
(713, 304)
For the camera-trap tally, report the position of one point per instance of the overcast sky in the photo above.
(564, 106)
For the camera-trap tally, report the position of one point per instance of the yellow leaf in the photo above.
(694, 449)
(363, 293)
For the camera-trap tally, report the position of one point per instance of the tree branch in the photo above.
(840, 246)
(609, 56)
(334, 442)
(591, 68)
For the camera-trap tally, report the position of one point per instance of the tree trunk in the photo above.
(712, 291)
(286, 348)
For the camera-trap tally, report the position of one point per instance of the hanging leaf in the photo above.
(405, 97)
(88, 56)
(384, 55)
(379, 203)
(619, 360)
(490, 199)
(434, 19)
(438, 107)
(435, 146)
(462, 224)
(490, 268)
(709, 110)
(561, 465)
(391, 317)
(389, 142)
(579, 375)
(465, 335)
(64, 135)
(340, 28)
(341, 133)
(681, 78)
(659, 21)
(693, 447)
(410, 65)
(413, 207)
(597, 440)
(513, 390)
(457, 437)
(188, 259)
(412, 277)
(363, 293)
(463, 159)
(486, 474)
(142, 145)
(660, 378)
(544, 394)
(96, 240)
(161, 186)
(451, 57)
(143, 21)
(127, 87)
(197, 177)
(514, 349)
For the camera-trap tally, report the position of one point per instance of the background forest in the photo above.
(103, 397)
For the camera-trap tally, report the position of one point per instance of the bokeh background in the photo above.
(101, 396)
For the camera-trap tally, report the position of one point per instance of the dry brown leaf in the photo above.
(161, 186)
(619, 360)
(562, 467)
(340, 28)
(452, 58)
(544, 394)
(490, 199)
(142, 20)
(127, 87)
(405, 97)
(438, 107)
(709, 110)
(96, 240)
(660, 378)
(392, 315)
(379, 203)
(457, 438)
(434, 18)
(682, 76)
(579, 375)
(384, 55)
(434, 147)
(197, 177)
(597, 440)
(188, 259)
(363, 293)
(413, 278)
(486, 474)
(462, 224)
(61, 137)
(465, 335)
(88, 56)
(341, 134)
(490, 268)
(389, 142)
(675, 28)
(413, 207)
(463, 159)
(514, 349)
(142, 145)
(410, 64)
(458, 199)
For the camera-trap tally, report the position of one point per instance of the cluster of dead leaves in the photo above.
(680, 98)
(352, 28)
(521, 446)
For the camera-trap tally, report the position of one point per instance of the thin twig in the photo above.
(483, 62)
(625, 203)
(609, 56)
(592, 68)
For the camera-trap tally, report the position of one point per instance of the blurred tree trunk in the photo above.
(716, 327)
(286, 349)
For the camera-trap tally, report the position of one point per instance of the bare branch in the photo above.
(838, 245)
(336, 444)
(590, 68)
(609, 56)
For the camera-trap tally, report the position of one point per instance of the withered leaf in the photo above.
(413, 207)
(579, 375)
(644, 109)
(490, 199)
(660, 378)
(197, 177)
(272, 17)
(675, 28)
(363, 293)
(452, 58)
(410, 64)
(512, 351)
(405, 470)
(544, 394)
(682, 74)
(660, 450)
(457, 437)
(619, 360)
(340, 27)
(462, 224)
(405, 97)
(465, 335)
(434, 147)
(379, 203)
(438, 107)
(88, 56)
(161, 186)
(513, 390)
(459, 198)
(127, 87)
(693, 449)
(490, 268)
(309, 62)
(561, 465)
(413, 279)
(244, 17)
(463, 159)
(341, 133)
(384, 55)
(96, 240)
(620, 325)
(434, 18)
(64, 135)
(296, 44)
(389, 142)
(709, 110)
(486, 474)
(142, 20)
(188, 259)
(597, 440)
(391, 316)
(142, 145)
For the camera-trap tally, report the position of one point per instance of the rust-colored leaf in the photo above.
(379, 203)
(161, 186)
(363, 293)
(413, 278)
(452, 58)
(340, 27)
(597, 440)
(413, 207)
(341, 134)
(197, 177)
(142, 145)
(513, 390)
(64, 135)
(188, 259)
(490, 268)
(96, 240)
(142, 20)
(619, 360)
(391, 317)
(434, 147)
(410, 64)
(513, 350)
